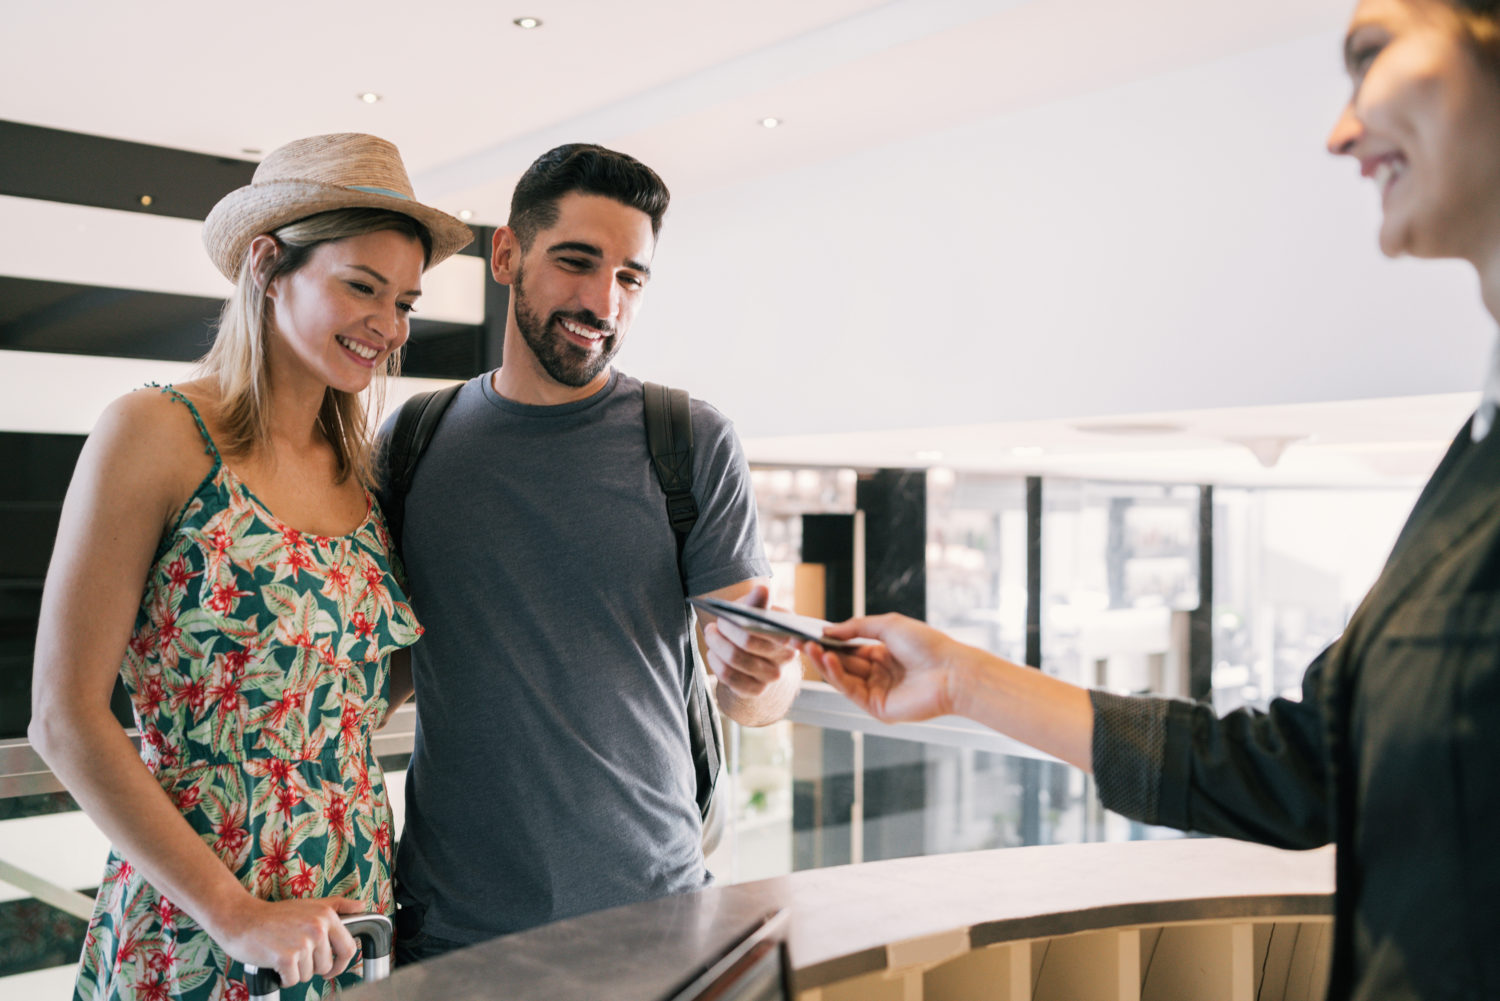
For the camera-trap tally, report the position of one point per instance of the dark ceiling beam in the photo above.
(80, 169)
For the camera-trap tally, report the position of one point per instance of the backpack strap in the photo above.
(669, 433)
(415, 423)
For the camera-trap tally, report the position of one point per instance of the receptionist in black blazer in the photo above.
(1393, 752)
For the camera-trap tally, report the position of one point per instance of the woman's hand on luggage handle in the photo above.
(299, 939)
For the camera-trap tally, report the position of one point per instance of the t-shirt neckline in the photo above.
(487, 385)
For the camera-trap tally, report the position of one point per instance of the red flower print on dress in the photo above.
(280, 710)
(149, 698)
(151, 987)
(284, 789)
(287, 800)
(225, 596)
(296, 556)
(233, 837)
(363, 628)
(143, 642)
(126, 950)
(121, 872)
(216, 559)
(336, 812)
(179, 574)
(231, 666)
(349, 720)
(377, 590)
(271, 868)
(190, 692)
(304, 882)
(335, 583)
(225, 693)
(166, 911)
(164, 958)
(167, 635)
(158, 752)
(187, 798)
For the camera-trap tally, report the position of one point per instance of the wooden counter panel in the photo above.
(879, 918)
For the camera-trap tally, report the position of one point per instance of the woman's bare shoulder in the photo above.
(148, 439)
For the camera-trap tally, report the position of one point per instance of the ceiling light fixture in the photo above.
(369, 97)
(770, 123)
(1268, 449)
(146, 200)
(465, 214)
(527, 23)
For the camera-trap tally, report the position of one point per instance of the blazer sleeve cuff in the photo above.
(1131, 765)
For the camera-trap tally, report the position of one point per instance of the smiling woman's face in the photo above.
(1424, 122)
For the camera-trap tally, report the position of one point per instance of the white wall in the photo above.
(52, 241)
(1177, 243)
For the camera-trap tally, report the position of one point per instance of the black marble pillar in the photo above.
(1201, 619)
(895, 505)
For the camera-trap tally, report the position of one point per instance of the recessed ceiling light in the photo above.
(527, 22)
(369, 97)
(770, 123)
(465, 214)
(146, 200)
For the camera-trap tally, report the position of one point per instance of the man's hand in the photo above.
(756, 683)
(747, 662)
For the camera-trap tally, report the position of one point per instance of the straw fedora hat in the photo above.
(307, 176)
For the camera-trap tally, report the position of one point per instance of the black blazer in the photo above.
(1393, 753)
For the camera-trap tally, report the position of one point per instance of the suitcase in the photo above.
(375, 940)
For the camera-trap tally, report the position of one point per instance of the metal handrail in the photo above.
(24, 773)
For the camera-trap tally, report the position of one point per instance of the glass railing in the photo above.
(832, 786)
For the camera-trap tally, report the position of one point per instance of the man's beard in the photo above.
(560, 358)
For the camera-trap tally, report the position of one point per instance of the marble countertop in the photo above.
(850, 920)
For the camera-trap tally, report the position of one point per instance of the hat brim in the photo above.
(247, 212)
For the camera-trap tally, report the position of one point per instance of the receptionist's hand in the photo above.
(913, 674)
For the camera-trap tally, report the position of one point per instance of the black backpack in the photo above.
(669, 435)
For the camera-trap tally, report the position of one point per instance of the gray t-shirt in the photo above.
(552, 772)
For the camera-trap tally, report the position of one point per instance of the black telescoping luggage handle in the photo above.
(375, 938)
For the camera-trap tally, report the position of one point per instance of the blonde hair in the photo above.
(238, 363)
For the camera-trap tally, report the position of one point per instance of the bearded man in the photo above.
(552, 771)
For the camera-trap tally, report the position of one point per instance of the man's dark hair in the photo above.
(592, 170)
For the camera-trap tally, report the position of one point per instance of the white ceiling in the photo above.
(471, 99)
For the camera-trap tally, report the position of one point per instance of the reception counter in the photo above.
(1174, 920)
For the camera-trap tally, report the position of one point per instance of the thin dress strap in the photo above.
(208, 441)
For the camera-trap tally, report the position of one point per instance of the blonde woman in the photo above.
(220, 550)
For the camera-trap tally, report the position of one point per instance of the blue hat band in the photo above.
(380, 191)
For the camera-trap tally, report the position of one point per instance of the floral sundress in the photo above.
(257, 669)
